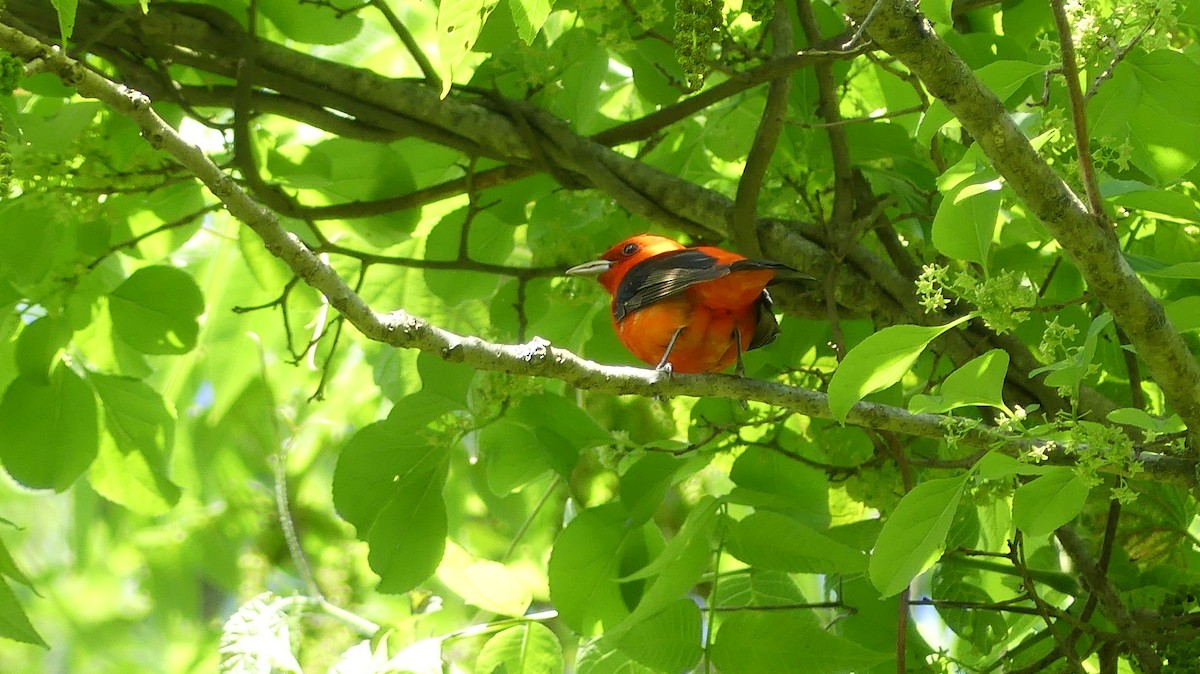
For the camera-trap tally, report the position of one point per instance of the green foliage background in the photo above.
(210, 467)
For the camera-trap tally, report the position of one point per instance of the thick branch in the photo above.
(1110, 602)
(536, 358)
(900, 30)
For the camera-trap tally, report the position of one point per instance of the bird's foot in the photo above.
(664, 369)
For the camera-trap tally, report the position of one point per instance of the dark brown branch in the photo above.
(743, 217)
(827, 108)
(1110, 602)
(1017, 549)
(782, 66)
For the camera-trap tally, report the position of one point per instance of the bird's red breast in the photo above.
(711, 297)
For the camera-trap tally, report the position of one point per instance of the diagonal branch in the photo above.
(536, 358)
(900, 30)
(1110, 602)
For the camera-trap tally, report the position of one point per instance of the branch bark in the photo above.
(904, 33)
(535, 358)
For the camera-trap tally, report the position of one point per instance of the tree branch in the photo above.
(535, 358)
(1070, 71)
(1110, 602)
(743, 217)
(903, 32)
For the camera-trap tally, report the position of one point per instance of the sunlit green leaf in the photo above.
(528, 648)
(877, 362)
(49, 429)
(914, 534)
(1048, 502)
(156, 309)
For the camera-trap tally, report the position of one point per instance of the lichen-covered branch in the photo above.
(903, 32)
(536, 358)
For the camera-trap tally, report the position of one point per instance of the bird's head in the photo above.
(619, 259)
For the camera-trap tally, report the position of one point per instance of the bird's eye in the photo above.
(629, 249)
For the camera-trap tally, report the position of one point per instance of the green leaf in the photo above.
(139, 423)
(913, 535)
(995, 465)
(584, 568)
(491, 586)
(408, 537)
(528, 648)
(758, 587)
(768, 540)
(755, 642)
(442, 379)
(1152, 102)
(512, 458)
(311, 22)
(129, 479)
(388, 484)
(39, 346)
(563, 417)
(938, 11)
(1132, 416)
(49, 429)
(1184, 313)
(668, 641)
(677, 569)
(1141, 197)
(769, 480)
(978, 382)
(1184, 270)
(1048, 502)
(14, 624)
(879, 361)
(459, 23)
(601, 656)
(156, 310)
(137, 416)
(8, 567)
(966, 221)
(645, 484)
(529, 15)
(29, 250)
(66, 17)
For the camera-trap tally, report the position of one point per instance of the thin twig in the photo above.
(1017, 549)
(744, 215)
(283, 509)
(165, 227)
(1119, 56)
(1078, 109)
(1110, 602)
(414, 49)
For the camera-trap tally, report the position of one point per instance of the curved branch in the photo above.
(900, 30)
(743, 217)
(535, 358)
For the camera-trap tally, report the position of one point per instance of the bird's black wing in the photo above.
(663, 276)
(766, 329)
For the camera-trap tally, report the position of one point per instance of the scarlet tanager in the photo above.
(687, 309)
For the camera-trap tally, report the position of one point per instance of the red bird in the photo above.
(687, 309)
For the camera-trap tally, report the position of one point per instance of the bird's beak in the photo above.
(593, 268)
